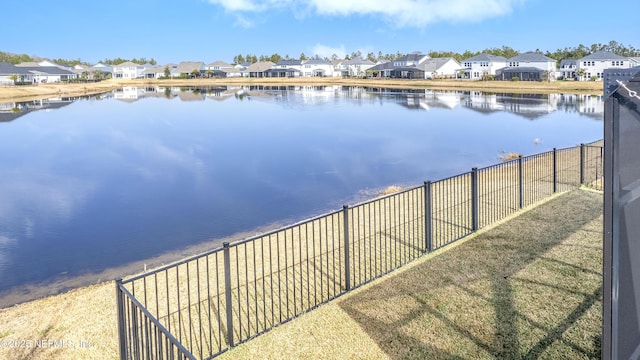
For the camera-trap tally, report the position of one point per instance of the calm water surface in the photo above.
(95, 184)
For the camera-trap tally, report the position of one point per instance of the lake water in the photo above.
(89, 186)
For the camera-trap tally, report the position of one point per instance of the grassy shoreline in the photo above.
(549, 252)
(41, 91)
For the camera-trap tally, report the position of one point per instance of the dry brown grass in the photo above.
(41, 91)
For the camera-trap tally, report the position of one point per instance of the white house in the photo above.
(285, 68)
(356, 67)
(317, 67)
(593, 65)
(568, 68)
(483, 65)
(440, 68)
(528, 66)
(128, 70)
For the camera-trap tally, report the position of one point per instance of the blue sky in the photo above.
(208, 30)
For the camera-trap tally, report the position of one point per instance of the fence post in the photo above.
(347, 263)
(581, 164)
(520, 183)
(427, 217)
(227, 290)
(474, 199)
(122, 337)
(555, 170)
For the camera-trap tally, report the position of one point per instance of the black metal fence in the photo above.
(206, 304)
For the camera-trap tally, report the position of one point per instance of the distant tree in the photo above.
(167, 72)
(209, 73)
(371, 57)
(580, 73)
(195, 73)
(14, 78)
(14, 58)
(303, 56)
(238, 59)
(334, 57)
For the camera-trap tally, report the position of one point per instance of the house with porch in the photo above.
(438, 68)
(188, 69)
(258, 69)
(567, 69)
(9, 71)
(592, 66)
(483, 66)
(128, 70)
(285, 68)
(221, 69)
(317, 68)
(528, 66)
(356, 67)
(411, 60)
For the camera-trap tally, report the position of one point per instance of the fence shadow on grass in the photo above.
(530, 288)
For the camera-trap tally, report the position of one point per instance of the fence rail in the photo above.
(204, 305)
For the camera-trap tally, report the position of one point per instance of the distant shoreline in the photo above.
(43, 91)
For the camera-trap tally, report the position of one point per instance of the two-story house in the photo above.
(568, 69)
(221, 69)
(356, 67)
(286, 68)
(317, 68)
(128, 70)
(592, 66)
(528, 66)
(482, 66)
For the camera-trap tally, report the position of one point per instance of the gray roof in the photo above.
(416, 56)
(49, 70)
(9, 69)
(289, 62)
(431, 65)
(220, 63)
(486, 57)
(531, 56)
(603, 55)
(358, 61)
(384, 66)
(317, 62)
(568, 62)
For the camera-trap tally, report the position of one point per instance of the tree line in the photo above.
(567, 53)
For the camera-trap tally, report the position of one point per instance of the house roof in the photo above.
(383, 66)
(416, 56)
(486, 57)
(187, 67)
(317, 62)
(531, 56)
(358, 61)
(568, 62)
(431, 65)
(47, 70)
(126, 64)
(220, 63)
(289, 62)
(603, 55)
(521, 69)
(260, 66)
(28, 64)
(9, 69)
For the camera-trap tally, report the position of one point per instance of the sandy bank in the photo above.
(41, 91)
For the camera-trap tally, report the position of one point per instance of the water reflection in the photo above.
(95, 184)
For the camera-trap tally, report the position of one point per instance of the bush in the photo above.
(515, 78)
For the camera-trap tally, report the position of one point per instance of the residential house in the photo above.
(483, 66)
(528, 66)
(155, 72)
(46, 74)
(221, 69)
(356, 67)
(9, 71)
(258, 69)
(188, 69)
(592, 66)
(285, 68)
(440, 68)
(381, 70)
(317, 68)
(568, 69)
(128, 70)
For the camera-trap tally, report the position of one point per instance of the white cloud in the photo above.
(403, 13)
(328, 51)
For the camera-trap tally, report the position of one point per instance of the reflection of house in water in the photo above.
(589, 105)
(129, 93)
(530, 106)
(13, 110)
